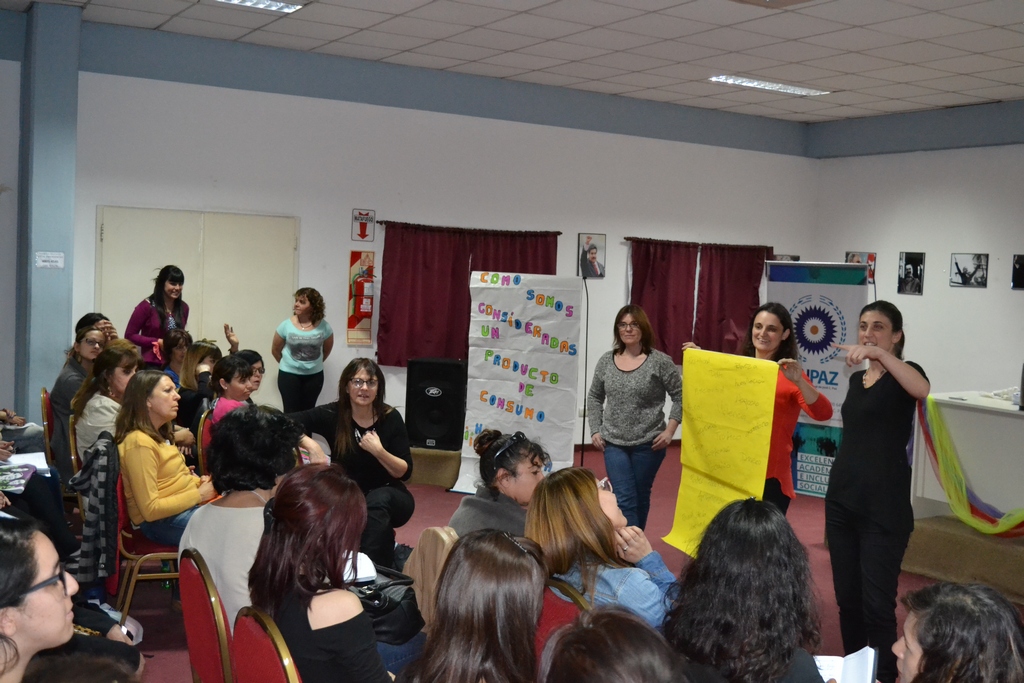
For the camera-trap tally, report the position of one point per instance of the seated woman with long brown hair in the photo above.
(97, 403)
(586, 542)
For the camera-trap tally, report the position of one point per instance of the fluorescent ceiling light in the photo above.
(768, 85)
(271, 5)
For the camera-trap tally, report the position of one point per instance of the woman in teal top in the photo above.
(301, 345)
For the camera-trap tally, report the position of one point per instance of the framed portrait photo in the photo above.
(867, 257)
(592, 255)
(1017, 274)
(968, 270)
(911, 275)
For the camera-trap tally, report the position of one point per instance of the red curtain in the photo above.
(664, 276)
(727, 294)
(424, 294)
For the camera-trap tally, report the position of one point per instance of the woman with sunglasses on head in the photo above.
(575, 520)
(511, 466)
(868, 517)
(35, 597)
(301, 344)
(369, 440)
(633, 379)
(163, 310)
(770, 337)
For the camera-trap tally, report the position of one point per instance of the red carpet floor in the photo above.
(165, 636)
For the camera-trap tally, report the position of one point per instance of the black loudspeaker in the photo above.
(435, 403)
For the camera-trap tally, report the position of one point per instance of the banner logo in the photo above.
(819, 324)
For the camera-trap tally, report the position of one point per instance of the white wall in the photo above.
(167, 145)
(10, 98)
(962, 201)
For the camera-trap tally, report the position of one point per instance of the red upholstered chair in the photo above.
(259, 652)
(203, 439)
(137, 550)
(556, 611)
(206, 622)
(44, 399)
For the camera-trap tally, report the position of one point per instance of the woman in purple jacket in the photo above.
(164, 310)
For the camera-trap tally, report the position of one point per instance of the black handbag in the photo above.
(390, 601)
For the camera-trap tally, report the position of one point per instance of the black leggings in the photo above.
(299, 392)
(386, 508)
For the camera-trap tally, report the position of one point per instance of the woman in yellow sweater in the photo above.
(161, 491)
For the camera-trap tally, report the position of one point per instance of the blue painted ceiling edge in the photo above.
(141, 53)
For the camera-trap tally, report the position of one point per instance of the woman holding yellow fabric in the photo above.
(161, 491)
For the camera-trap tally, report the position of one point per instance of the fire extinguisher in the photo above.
(363, 289)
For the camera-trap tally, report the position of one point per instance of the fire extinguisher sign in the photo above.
(361, 293)
(364, 223)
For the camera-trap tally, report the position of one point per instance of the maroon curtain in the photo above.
(424, 294)
(664, 275)
(727, 294)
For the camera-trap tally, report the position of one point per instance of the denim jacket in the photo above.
(640, 589)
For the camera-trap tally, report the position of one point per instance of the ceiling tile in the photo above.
(898, 91)
(852, 62)
(915, 52)
(123, 17)
(701, 89)
(792, 51)
(233, 16)
(309, 29)
(518, 60)
(466, 53)
(642, 80)
(971, 64)
(801, 104)
(546, 78)
(1014, 54)
(846, 82)
(754, 110)
(157, 6)
(206, 29)
(499, 40)
(791, 25)
(686, 72)
(585, 71)
(926, 26)
(984, 41)
(960, 83)
(425, 61)
(1014, 75)
(342, 16)
(459, 13)
(848, 97)
(793, 73)
(538, 27)
(673, 50)
(855, 39)
(736, 62)
(906, 73)
(999, 92)
(661, 26)
(490, 70)
(751, 96)
(992, 12)
(628, 61)
(729, 39)
(342, 49)
(565, 51)
(859, 13)
(708, 103)
(718, 12)
(846, 112)
(389, 6)
(947, 99)
(609, 39)
(513, 5)
(893, 106)
(936, 5)
(387, 41)
(419, 28)
(588, 12)
(15, 5)
(281, 40)
(655, 95)
(647, 5)
(604, 87)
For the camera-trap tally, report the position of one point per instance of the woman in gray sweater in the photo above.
(626, 405)
(510, 468)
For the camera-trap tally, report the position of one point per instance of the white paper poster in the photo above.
(524, 335)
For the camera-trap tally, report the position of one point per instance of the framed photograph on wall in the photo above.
(968, 270)
(911, 276)
(787, 257)
(1017, 275)
(592, 255)
(867, 257)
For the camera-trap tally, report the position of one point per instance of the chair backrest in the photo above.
(47, 408)
(206, 622)
(259, 652)
(556, 612)
(76, 461)
(202, 441)
(425, 564)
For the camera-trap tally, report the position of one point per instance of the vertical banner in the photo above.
(825, 301)
(728, 405)
(524, 335)
(361, 292)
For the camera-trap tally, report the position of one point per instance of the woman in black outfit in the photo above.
(868, 518)
(370, 442)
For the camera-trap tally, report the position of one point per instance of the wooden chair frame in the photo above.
(76, 462)
(44, 402)
(132, 572)
(270, 628)
(223, 638)
(200, 455)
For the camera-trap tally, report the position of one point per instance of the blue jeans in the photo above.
(632, 470)
(167, 531)
(396, 657)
